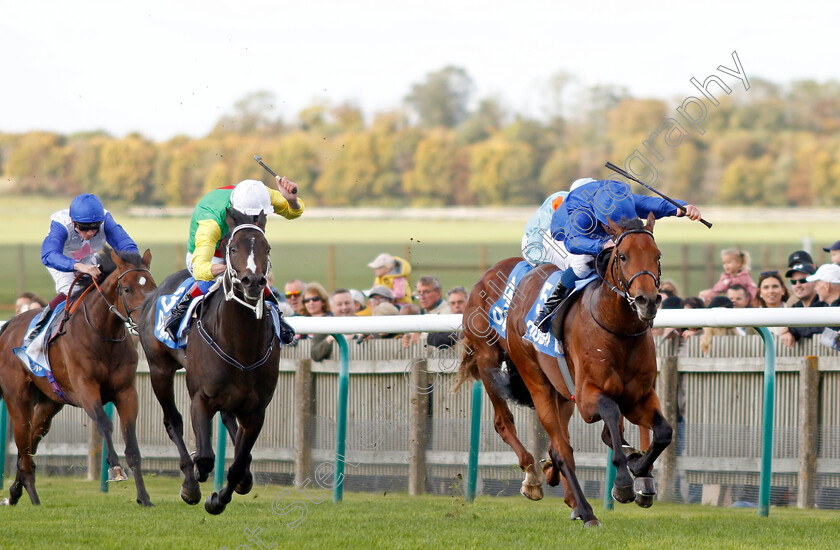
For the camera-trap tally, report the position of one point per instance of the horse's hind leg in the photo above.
(126, 404)
(245, 439)
(247, 483)
(20, 411)
(162, 374)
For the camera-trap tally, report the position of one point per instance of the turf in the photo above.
(74, 514)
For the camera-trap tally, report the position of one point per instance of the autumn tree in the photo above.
(442, 99)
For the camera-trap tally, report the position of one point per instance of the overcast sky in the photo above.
(168, 67)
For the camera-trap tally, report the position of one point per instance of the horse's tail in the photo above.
(468, 367)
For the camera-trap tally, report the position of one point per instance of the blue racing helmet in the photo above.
(87, 208)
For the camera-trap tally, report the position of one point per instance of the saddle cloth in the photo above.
(545, 342)
(166, 302)
(35, 356)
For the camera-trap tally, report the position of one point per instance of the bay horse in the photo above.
(93, 362)
(231, 360)
(610, 354)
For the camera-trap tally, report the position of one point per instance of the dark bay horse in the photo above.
(231, 361)
(611, 358)
(93, 362)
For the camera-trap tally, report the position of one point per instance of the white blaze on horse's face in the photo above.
(251, 264)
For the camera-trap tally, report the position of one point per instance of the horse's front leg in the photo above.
(609, 412)
(245, 440)
(642, 465)
(202, 418)
(126, 404)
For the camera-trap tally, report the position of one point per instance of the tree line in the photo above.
(773, 145)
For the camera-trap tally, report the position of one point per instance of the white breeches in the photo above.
(544, 251)
(63, 279)
(189, 258)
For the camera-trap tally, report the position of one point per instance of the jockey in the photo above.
(205, 257)
(538, 246)
(579, 227)
(76, 235)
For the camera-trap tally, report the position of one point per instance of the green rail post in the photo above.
(221, 440)
(103, 474)
(767, 423)
(475, 433)
(341, 421)
(609, 479)
(4, 440)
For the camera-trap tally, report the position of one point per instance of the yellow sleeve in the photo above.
(281, 205)
(207, 236)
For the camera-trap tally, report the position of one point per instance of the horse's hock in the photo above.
(407, 430)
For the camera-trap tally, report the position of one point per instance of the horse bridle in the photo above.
(126, 319)
(230, 278)
(622, 288)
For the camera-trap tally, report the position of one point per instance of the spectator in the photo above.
(671, 302)
(27, 301)
(392, 272)
(431, 303)
(692, 302)
(292, 291)
(736, 269)
(799, 257)
(341, 305)
(805, 295)
(827, 279)
(378, 295)
(269, 277)
(772, 293)
(456, 299)
(315, 301)
(668, 288)
(739, 296)
(834, 251)
(359, 302)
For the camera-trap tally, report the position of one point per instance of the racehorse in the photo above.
(610, 354)
(93, 362)
(231, 363)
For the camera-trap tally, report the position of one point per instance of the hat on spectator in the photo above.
(720, 301)
(383, 260)
(835, 246)
(386, 308)
(380, 290)
(830, 273)
(801, 268)
(799, 257)
(358, 296)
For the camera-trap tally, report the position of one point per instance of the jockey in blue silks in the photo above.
(578, 225)
(76, 235)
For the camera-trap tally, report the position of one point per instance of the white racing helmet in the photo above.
(251, 197)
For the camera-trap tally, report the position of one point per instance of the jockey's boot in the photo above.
(176, 314)
(561, 291)
(39, 326)
(543, 320)
(287, 333)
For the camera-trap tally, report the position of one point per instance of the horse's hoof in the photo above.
(575, 514)
(116, 474)
(531, 491)
(145, 503)
(645, 501)
(245, 485)
(623, 494)
(190, 496)
(631, 452)
(592, 523)
(645, 489)
(213, 505)
(6, 502)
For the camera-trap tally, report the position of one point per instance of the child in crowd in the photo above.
(736, 269)
(834, 250)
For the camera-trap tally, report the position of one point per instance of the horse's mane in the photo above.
(106, 267)
(632, 223)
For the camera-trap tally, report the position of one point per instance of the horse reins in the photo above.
(623, 288)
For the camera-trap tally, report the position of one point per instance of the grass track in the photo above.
(74, 514)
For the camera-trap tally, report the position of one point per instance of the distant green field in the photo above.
(75, 515)
(455, 251)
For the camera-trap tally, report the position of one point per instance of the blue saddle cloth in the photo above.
(164, 306)
(545, 342)
(36, 355)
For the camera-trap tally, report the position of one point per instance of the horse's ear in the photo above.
(230, 220)
(613, 228)
(261, 220)
(147, 257)
(116, 258)
(650, 219)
